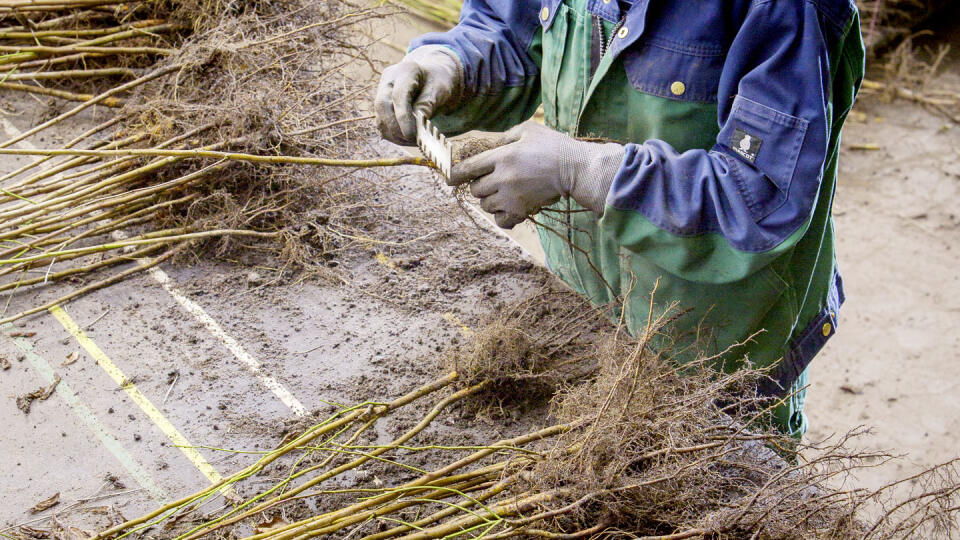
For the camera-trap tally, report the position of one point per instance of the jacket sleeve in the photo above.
(720, 215)
(498, 43)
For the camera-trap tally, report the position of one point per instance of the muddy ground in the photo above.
(371, 324)
(410, 302)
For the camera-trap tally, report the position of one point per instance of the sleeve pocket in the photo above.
(769, 141)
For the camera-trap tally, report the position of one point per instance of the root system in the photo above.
(643, 449)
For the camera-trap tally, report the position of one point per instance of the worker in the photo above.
(690, 147)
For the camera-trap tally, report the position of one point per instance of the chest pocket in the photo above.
(565, 68)
(674, 70)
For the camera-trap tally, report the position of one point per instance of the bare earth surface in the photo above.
(892, 366)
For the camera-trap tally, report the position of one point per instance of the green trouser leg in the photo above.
(789, 417)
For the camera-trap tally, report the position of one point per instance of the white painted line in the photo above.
(238, 351)
(65, 392)
(12, 131)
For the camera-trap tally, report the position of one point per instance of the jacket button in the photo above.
(678, 88)
(606, 1)
(827, 328)
(623, 32)
(544, 14)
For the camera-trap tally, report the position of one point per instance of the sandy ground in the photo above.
(893, 365)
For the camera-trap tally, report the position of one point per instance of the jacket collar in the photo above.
(635, 22)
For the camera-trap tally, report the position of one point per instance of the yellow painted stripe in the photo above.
(386, 261)
(141, 400)
(455, 321)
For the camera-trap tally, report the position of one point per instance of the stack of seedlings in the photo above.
(213, 145)
(637, 447)
(74, 50)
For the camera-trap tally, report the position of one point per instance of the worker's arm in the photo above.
(713, 215)
(722, 214)
(482, 74)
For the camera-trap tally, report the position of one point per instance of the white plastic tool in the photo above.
(434, 145)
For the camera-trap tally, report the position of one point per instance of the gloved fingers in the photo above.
(491, 205)
(386, 118)
(474, 167)
(506, 220)
(484, 187)
(428, 101)
(512, 135)
(405, 89)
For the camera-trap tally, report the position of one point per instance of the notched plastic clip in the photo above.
(434, 145)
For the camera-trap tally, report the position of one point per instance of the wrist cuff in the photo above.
(593, 167)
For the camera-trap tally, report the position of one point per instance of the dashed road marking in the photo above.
(232, 344)
(385, 261)
(137, 396)
(65, 392)
(455, 321)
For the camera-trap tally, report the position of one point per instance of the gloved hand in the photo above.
(534, 168)
(426, 80)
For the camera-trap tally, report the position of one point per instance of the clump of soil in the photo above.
(528, 352)
(468, 147)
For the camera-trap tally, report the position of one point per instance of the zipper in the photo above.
(605, 44)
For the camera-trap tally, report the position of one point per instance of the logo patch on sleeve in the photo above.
(746, 145)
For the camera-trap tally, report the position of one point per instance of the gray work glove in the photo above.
(534, 168)
(428, 79)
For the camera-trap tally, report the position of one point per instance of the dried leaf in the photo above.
(42, 393)
(22, 334)
(80, 534)
(23, 403)
(49, 502)
(71, 358)
(48, 391)
(34, 533)
(267, 526)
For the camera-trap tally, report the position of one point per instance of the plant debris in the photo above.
(31, 532)
(637, 446)
(42, 394)
(215, 149)
(49, 502)
(70, 359)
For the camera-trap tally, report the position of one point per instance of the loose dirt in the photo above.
(892, 365)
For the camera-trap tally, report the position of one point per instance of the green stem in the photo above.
(233, 156)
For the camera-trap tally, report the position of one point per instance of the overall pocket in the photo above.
(770, 141)
(715, 316)
(554, 44)
(565, 68)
